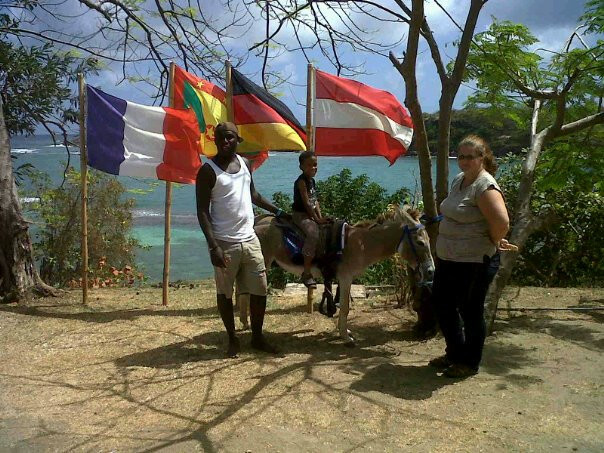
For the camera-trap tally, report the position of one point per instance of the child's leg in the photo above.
(307, 263)
(311, 231)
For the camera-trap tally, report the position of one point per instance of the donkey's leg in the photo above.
(244, 310)
(344, 287)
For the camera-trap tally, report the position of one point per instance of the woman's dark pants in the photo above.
(458, 296)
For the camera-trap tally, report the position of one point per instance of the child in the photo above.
(307, 214)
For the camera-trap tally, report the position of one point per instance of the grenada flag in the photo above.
(207, 100)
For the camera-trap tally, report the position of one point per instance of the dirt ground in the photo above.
(126, 374)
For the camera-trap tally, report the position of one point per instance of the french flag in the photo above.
(128, 139)
(353, 119)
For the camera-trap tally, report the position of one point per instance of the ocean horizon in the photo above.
(189, 256)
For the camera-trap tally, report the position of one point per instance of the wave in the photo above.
(143, 217)
(146, 213)
(58, 145)
(24, 150)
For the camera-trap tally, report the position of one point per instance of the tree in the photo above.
(17, 270)
(561, 94)
(38, 66)
(568, 189)
(33, 90)
(334, 30)
(136, 40)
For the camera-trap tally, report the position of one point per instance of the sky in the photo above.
(551, 21)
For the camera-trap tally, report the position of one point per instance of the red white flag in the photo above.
(353, 119)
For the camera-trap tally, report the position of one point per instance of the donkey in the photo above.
(367, 242)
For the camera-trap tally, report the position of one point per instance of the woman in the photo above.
(475, 221)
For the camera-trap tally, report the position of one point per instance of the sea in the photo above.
(189, 255)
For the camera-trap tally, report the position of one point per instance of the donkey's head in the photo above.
(414, 245)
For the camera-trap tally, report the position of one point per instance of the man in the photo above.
(225, 193)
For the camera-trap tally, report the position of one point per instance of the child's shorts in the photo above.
(311, 230)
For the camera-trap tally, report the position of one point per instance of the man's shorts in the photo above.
(246, 267)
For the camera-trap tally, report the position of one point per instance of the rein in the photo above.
(429, 221)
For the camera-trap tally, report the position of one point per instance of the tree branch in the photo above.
(465, 43)
(97, 8)
(581, 124)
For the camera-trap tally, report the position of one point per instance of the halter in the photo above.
(407, 234)
(425, 220)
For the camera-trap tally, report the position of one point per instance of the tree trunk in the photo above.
(444, 140)
(18, 274)
(407, 70)
(520, 234)
(522, 229)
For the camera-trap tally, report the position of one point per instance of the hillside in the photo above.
(503, 134)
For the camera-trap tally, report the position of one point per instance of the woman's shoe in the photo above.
(459, 370)
(441, 362)
(308, 281)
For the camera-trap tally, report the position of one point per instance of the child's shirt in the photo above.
(311, 190)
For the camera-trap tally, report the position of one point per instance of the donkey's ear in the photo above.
(413, 213)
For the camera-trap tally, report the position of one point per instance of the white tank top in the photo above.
(231, 204)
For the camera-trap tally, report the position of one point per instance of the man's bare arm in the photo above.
(206, 179)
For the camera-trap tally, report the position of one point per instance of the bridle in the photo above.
(424, 221)
(408, 231)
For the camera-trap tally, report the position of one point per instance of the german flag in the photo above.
(263, 119)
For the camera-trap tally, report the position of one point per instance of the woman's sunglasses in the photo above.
(467, 157)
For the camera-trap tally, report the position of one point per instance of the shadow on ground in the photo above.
(565, 330)
(402, 381)
(104, 316)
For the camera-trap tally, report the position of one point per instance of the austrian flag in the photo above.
(353, 119)
(128, 139)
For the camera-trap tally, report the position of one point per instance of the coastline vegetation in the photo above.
(58, 216)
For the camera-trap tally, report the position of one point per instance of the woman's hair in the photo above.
(305, 155)
(480, 146)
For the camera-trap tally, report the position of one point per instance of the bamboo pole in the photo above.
(229, 91)
(84, 183)
(310, 87)
(309, 146)
(168, 208)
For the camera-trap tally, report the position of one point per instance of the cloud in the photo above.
(550, 20)
(537, 15)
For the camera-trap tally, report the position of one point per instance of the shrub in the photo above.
(58, 234)
(568, 249)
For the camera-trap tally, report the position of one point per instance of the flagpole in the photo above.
(84, 183)
(310, 86)
(229, 91)
(168, 206)
(309, 147)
